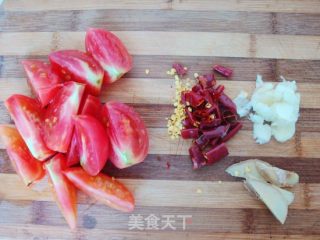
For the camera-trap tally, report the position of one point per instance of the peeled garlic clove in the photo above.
(263, 110)
(245, 169)
(261, 133)
(283, 132)
(256, 118)
(285, 112)
(271, 197)
(276, 176)
(243, 104)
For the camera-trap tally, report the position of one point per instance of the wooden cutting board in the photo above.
(271, 37)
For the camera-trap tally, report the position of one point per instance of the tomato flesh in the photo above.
(58, 123)
(92, 107)
(27, 114)
(128, 135)
(93, 143)
(64, 191)
(78, 66)
(102, 188)
(110, 52)
(27, 167)
(43, 82)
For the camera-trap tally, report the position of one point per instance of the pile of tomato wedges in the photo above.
(66, 133)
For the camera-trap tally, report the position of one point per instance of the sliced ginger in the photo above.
(265, 182)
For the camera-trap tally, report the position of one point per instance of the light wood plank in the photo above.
(170, 193)
(165, 43)
(160, 91)
(291, 6)
(44, 5)
(28, 231)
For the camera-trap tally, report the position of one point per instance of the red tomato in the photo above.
(73, 157)
(103, 188)
(110, 52)
(58, 123)
(78, 66)
(27, 114)
(92, 107)
(27, 167)
(93, 143)
(128, 135)
(64, 191)
(43, 82)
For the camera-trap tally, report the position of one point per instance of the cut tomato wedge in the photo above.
(92, 107)
(27, 114)
(64, 191)
(43, 82)
(102, 188)
(110, 52)
(27, 167)
(58, 123)
(128, 135)
(93, 143)
(73, 157)
(78, 66)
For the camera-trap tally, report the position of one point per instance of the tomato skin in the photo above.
(78, 66)
(102, 188)
(110, 52)
(128, 135)
(73, 157)
(92, 107)
(43, 82)
(64, 191)
(58, 123)
(27, 167)
(93, 143)
(27, 114)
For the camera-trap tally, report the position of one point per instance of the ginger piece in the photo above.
(270, 196)
(277, 176)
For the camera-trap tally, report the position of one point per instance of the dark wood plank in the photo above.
(154, 116)
(180, 168)
(245, 69)
(253, 221)
(131, 20)
(296, 24)
(161, 20)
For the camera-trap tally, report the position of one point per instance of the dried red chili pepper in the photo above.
(228, 103)
(202, 141)
(224, 71)
(207, 81)
(190, 133)
(180, 69)
(194, 99)
(197, 157)
(218, 132)
(216, 154)
(233, 131)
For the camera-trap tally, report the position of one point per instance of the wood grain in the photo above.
(151, 43)
(161, 20)
(172, 193)
(26, 231)
(270, 37)
(143, 90)
(245, 69)
(242, 145)
(292, 6)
